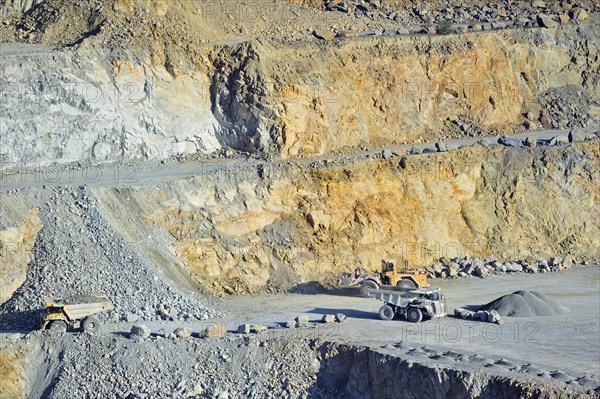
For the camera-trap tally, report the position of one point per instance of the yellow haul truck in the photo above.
(62, 316)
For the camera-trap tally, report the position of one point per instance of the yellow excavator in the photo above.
(390, 275)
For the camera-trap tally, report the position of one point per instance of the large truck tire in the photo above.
(90, 325)
(367, 286)
(414, 315)
(58, 326)
(386, 312)
(406, 283)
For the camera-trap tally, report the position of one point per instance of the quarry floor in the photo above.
(566, 342)
(556, 347)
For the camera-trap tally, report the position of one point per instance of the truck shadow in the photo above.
(350, 313)
(315, 288)
(20, 322)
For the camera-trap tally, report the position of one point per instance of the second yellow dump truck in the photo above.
(60, 315)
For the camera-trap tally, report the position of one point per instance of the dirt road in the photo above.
(156, 173)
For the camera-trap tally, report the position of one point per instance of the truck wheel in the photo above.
(414, 315)
(386, 312)
(368, 286)
(406, 283)
(90, 324)
(58, 326)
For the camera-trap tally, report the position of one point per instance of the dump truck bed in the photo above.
(396, 296)
(74, 311)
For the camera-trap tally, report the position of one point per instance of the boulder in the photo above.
(346, 34)
(244, 328)
(538, 4)
(555, 261)
(530, 142)
(583, 15)
(494, 317)
(328, 318)
(530, 269)
(302, 320)
(481, 315)
(139, 331)
(323, 34)
(513, 267)
(510, 141)
(399, 152)
(577, 134)
(251, 328)
(290, 324)
(567, 263)
(546, 22)
(469, 269)
(561, 139)
(453, 266)
(166, 314)
(387, 153)
(258, 328)
(579, 14)
(481, 271)
(340, 317)
(183, 333)
(132, 318)
(530, 125)
(214, 331)
(441, 147)
(463, 313)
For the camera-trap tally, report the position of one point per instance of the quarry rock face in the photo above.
(65, 106)
(94, 104)
(498, 201)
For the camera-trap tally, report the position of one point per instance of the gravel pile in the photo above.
(525, 304)
(78, 253)
(466, 266)
(157, 367)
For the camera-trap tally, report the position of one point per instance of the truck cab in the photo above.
(405, 277)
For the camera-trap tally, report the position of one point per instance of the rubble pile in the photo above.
(478, 267)
(78, 253)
